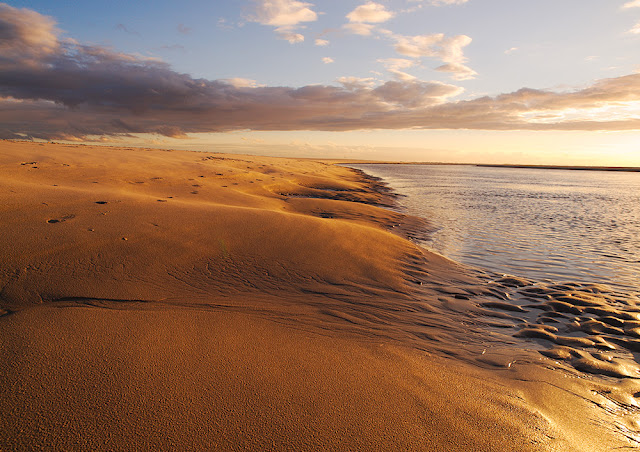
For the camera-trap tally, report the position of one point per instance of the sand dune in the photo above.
(177, 300)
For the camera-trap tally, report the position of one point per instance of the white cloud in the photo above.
(288, 34)
(418, 46)
(360, 28)
(511, 50)
(354, 83)
(403, 76)
(322, 42)
(393, 65)
(636, 29)
(632, 4)
(458, 71)
(239, 82)
(370, 12)
(285, 15)
(397, 63)
(362, 18)
(449, 50)
(327, 60)
(280, 13)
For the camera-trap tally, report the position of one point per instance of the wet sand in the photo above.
(177, 300)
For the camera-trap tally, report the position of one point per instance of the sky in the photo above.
(472, 81)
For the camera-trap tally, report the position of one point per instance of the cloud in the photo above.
(362, 18)
(447, 49)
(327, 60)
(401, 75)
(370, 12)
(511, 50)
(353, 83)
(25, 32)
(285, 15)
(397, 63)
(359, 28)
(394, 66)
(289, 35)
(279, 13)
(632, 4)
(238, 82)
(458, 71)
(636, 29)
(53, 88)
(321, 42)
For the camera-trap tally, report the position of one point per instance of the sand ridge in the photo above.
(182, 300)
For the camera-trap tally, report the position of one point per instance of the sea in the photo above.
(549, 225)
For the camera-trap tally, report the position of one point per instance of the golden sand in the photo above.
(174, 300)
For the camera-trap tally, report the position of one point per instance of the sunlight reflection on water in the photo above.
(582, 226)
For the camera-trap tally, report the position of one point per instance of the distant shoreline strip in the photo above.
(629, 169)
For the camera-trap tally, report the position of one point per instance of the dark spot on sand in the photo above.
(101, 202)
(60, 220)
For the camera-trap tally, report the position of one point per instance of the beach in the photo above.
(175, 300)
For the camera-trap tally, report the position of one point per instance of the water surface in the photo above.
(544, 224)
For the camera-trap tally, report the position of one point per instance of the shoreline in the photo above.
(196, 300)
(631, 169)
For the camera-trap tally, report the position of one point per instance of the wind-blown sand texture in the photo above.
(179, 300)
